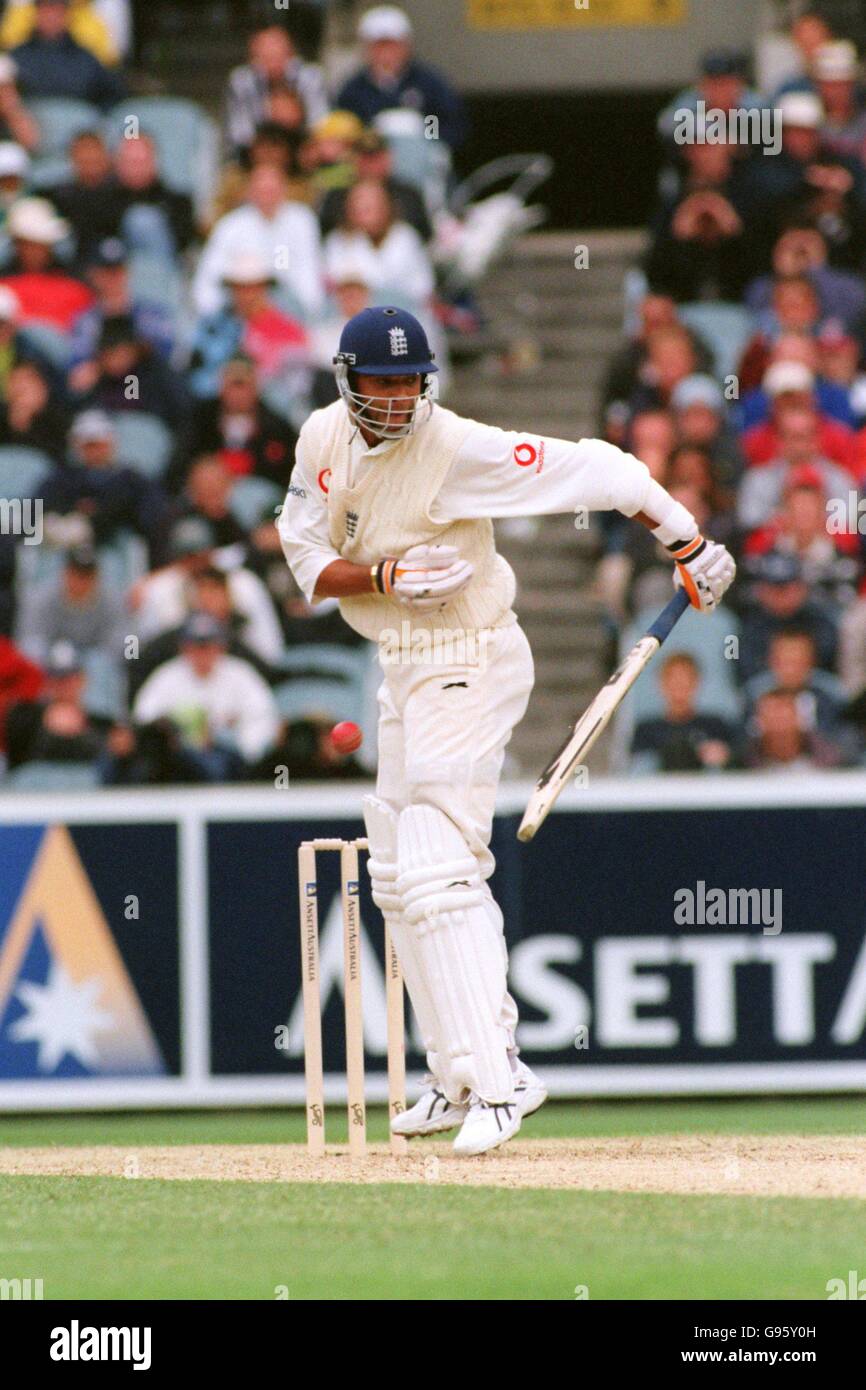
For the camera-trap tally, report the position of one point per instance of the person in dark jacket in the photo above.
(393, 77)
(52, 64)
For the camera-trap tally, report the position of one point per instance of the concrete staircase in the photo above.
(557, 328)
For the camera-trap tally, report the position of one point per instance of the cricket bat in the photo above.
(596, 718)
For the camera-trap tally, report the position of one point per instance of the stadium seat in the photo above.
(326, 659)
(187, 142)
(423, 163)
(22, 470)
(51, 777)
(59, 119)
(151, 279)
(725, 328)
(328, 699)
(53, 345)
(143, 442)
(253, 499)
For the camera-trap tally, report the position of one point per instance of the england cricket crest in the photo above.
(399, 343)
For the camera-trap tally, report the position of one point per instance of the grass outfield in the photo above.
(142, 1238)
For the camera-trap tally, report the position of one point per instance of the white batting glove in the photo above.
(426, 578)
(705, 570)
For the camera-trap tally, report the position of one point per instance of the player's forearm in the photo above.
(342, 579)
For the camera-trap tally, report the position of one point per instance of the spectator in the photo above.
(327, 157)
(151, 217)
(101, 492)
(801, 250)
(89, 201)
(843, 132)
(242, 430)
(795, 308)
(282, 233)
(130, 377)
(830, 563)
(29, 417)
(20, 680)
(791, 667)
(46, 291)
(162, 600)
(307, 752)
(777, 600)
(721, 86)
(393, 77)
(272, 60)
(86, 26)
(210, 593)
(77, 607)
(681, 739)
(224, 710)
(55, 726)
(799, 445)
(670, 358)
(790, 386)
(700, 249)
(781, 744)
(13, 347)
(252, 325)
(830, 398)
(53, 63)
(152, 323)
(698, 407)
(808, 32)
(390, 252)
(16, 123)
(374, 160)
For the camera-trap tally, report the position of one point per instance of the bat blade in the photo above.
(595, 719)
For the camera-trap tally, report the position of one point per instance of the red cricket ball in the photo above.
(346, 737)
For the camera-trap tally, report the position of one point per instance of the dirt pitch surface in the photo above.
(777, 1166)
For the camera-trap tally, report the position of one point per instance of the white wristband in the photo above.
(676, 522)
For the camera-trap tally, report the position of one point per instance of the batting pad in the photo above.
(459, 952)
(381, 822)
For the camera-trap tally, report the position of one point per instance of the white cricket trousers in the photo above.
(445, 720)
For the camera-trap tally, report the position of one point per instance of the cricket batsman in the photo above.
(390, 510)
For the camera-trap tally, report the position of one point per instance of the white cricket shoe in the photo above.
(432, 1114)
(487, 1126)
(530, 1091)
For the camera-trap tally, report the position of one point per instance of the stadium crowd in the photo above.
(742, 388)
(171, 298)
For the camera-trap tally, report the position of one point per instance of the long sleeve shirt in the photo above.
(495, 473)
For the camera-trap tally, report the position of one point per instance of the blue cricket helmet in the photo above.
(384, 341)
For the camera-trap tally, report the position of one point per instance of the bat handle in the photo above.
(669, 616)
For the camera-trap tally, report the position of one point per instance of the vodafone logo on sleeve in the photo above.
(526, 454)
(324, 479)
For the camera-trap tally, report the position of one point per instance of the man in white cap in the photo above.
(393, 77)
(46, 290)
(252, 324)
(836, 70)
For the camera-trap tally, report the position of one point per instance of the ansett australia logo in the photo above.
(526, 454)
(324, 479)
(68, 1005)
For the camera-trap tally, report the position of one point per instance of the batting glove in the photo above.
(426, 578)
(705, 570)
